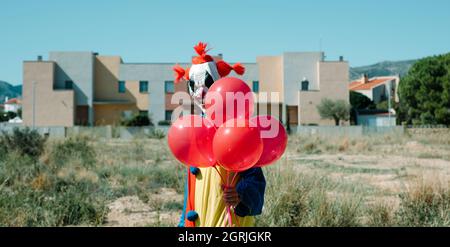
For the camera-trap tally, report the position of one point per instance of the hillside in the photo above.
(8, 90)
(382, 69)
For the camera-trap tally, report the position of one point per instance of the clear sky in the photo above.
(363, 31)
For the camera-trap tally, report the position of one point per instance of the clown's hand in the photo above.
(230, 196)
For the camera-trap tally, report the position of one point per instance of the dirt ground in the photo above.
(131, 211)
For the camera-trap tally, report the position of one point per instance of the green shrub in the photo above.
(157, 134)
(164, 123)
(27, 207)
(137, 121)
(75, 150)
(19, 170)
(424, 206)
(294, 199)
(380, 215)
(25, 141)
(35, 194)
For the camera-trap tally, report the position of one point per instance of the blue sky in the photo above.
(363, 31)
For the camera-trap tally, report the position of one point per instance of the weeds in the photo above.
(24, 141)
(71, 182)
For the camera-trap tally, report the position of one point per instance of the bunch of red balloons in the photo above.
(229, 135)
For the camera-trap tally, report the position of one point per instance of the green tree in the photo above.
(334, 109)
(137, 121)
(425, 92)
(5, 116)
(360, 101)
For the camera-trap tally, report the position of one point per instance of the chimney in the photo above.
(39, 58)
(218, 57)
(341, 58)
(364, 78)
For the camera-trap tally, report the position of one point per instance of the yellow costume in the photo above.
(204, 205)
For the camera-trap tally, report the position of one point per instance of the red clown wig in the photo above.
(223, 68)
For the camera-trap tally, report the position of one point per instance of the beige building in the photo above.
(84, 88)
(303, 80)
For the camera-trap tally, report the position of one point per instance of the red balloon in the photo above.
(236, 147)
(274, 139)
(228, 98)
(190, 140)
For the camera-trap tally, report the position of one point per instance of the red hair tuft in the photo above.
(224, 68)
(179, 73)
(239, 69)
(200, 48)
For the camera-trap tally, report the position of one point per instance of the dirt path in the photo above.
(161, 209)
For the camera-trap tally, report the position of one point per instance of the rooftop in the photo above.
(371, 83)
(12, 101)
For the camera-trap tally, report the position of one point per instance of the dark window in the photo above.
(305, 85)
(69, 85)
(169, 115)
(169, 87)
(255, 86)
(143, 113)
(121, 87)
(143, 86)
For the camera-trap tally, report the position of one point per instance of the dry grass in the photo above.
(320, 181)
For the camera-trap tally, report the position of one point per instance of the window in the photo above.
(168, 87)
(68, 85)
(143, 86)
(169, 115)
(255, 86)
(143, 113)
(121, 87)
(305, 85)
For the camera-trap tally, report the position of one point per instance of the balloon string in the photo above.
(226, 185)
(234, 212)
(221, 177)
(234, 177)
(230, 220)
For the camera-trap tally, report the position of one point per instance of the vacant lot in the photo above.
(321, 181)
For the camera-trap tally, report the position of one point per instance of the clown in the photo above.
(203, 73)
(206, 198)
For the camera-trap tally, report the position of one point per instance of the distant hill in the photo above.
(382, 69)
(8, 90)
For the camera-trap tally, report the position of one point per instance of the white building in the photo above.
(377, 88)
(376, 118)
(12, 105)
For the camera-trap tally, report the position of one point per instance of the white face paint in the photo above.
(197, 73)
(203, 75)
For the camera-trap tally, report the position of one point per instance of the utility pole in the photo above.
(389, 102)
(34, 104)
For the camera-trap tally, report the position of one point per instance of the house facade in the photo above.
(85, 88)
(376, 118)
(12, 105)
(377, 88)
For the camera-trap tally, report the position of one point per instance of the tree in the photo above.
(425, 92)
(6, 116)
(334, 109)
(138, 120)
(359, 101)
